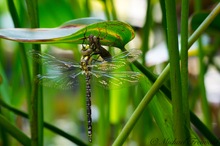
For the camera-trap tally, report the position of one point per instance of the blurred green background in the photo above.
(66, 109)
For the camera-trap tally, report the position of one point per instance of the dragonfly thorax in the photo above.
(85, 61)
(86, 50)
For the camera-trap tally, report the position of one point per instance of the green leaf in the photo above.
(111, 33)
(81, 21)
(162, 112)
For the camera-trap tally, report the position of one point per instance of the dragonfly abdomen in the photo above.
(88, 105)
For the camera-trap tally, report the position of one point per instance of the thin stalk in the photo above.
(184, 65)
(87, 8)
(107, 14)
(113, 11)
(204, 130)
(103, 121)
(25, 67)
(110, 11)
(15, 18)
(3, 133)
(205, 105)
(13, 12)
(175, 77)
(202, 27)
(139, 110)
(146, 29)
(36, 113)
(158, 83)
(14, 131)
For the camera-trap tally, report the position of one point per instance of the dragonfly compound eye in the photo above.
(95, 39)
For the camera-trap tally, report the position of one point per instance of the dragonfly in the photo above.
(96, 64)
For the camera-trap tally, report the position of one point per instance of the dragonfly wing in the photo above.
(128, 56)
(58, 73)
(52, 62)
(65, 80)
(115, 80)
(117, 61)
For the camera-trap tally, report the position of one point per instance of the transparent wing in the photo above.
(117, 61)
(51, 62)
(128, 56)
(65, 80)
(114, 80)
(63, 74)
(58, 73)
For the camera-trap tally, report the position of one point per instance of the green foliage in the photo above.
(157, 111)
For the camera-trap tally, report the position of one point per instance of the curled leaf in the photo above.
(111, 33)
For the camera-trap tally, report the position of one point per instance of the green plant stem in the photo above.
(205, 104)
(184, 66)
(139, 110)
(159, 81)
(13, 12)
(3, 133)
(25, 67)
(64, 134)
(36, 113)
(202, 27)
(204, 101)
(14, 131)
(175, 77)
(87, 8)
(107, 13)
(204, 130)
(146, 29)
(103, 120)
(32, 10)
(113, 11)
(110, 11)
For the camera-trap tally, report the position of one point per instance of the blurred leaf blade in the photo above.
(35, 35)
(161, 109)
(81, 21)
(5, 88)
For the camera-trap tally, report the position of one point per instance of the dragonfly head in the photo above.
(93, 39)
